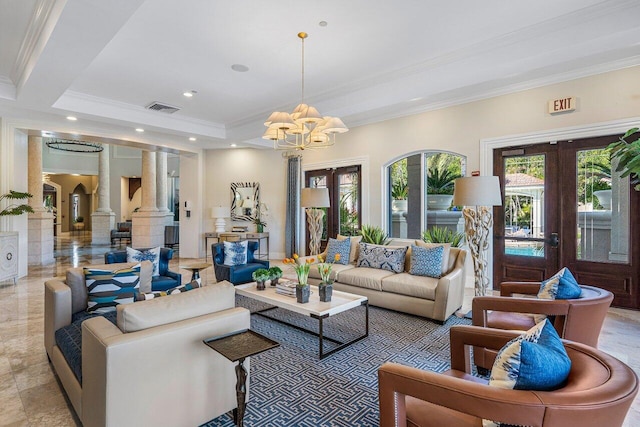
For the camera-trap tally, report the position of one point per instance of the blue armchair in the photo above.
(236, 274)
(166, 280)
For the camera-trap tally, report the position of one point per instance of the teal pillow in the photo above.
(536, 360)
(561, 285)
(426, 261)
(342, 247)
(106, 289)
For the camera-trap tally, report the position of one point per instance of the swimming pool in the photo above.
(524, 251)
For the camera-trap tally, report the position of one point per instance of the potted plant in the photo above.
(399, 194)
(302, 271)
(440, 179)
(261, 210)
(15, 208)
(628, 156)
(274, 274)
(443, 235)
(261, 275)
(374, 235)
(325, 288)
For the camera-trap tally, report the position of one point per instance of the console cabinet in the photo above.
(8, 256)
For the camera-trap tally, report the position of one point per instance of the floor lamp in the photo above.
(312, 199)
(478, 194)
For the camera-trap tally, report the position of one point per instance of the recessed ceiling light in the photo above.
(72, 118)
(192, 138)
(234, 145)
(240, 68)
(139, 130)
(323, 23)
(187, 94)
(415, 99)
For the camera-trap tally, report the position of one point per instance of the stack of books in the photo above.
(286, 287)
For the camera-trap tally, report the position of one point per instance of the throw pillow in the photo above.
(139, 296)
(426, 261)
(561, 285)
(106, 288)
(445, 253)
(355, 246)
(536, 360)
(235, 253)
(153, 255)
(375, 256)
(342, 247)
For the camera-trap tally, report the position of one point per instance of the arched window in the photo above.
(419, 192)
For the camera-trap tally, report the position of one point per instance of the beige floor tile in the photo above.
(11, 409)
(33, 376)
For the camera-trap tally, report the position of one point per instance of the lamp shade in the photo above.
(315, 198)
(220, 212)
(477, 191)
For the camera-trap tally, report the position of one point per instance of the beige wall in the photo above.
(68, 184)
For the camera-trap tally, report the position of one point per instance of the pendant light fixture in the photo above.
(304, 128)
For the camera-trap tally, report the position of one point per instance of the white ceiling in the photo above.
(105, 61)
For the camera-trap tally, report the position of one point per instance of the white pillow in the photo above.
(153, 255)
(235, 253)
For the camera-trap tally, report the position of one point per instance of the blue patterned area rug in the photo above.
(291, 387)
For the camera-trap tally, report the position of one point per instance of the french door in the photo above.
(564, 207)
(344, 214)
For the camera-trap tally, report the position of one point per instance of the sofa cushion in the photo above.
(107, 289)
(536, 360)
(186, 305)
(69, 340)
(75, 281)
(445, 254)
(410, 285)
(153, 255)
(355, 246)
(235, 253)
(335, 271)
(426, 261)
(139, 296)
(338, 247)
(363, 277)
(382, 257)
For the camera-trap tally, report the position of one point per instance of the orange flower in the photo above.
(336, 257)
(310, 260)
(295, 257)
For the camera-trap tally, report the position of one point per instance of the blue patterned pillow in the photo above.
(375, 256)
(426, 261)
(153, 255)
(173, 291)
(235, 253)
(561, 285)
(106, 289)
(536, 360)
(342, 247)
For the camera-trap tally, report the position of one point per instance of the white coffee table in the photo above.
(340, 302)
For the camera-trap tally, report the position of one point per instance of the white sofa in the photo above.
(152, 369)
(429, 297)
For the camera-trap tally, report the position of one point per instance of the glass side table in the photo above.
(237, 347)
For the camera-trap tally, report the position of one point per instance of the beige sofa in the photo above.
(152, 368)
(423, 296)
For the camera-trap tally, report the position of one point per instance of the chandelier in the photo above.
(304, 128)
(73, 145)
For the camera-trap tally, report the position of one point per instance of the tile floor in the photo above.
(31, 396)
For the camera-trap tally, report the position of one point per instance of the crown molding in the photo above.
(44, 19)
(7, 89)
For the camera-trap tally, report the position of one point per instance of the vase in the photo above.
(302, 294)
(259, 228)
(260, 285)
(274, 281)
(325, 291)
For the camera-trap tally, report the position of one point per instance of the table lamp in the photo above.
(478, 194)
(219, 213)
(312, 199)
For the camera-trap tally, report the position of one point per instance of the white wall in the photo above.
(192, 183)
(266, 167)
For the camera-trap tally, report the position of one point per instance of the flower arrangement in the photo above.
(301, 269)
(324, 268)
(262, 211)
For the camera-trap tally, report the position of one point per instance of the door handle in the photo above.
(554, 240)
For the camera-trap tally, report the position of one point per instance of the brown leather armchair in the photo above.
(599, 390)
(578, 320)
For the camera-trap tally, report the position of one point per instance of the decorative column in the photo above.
(40, 235)
(161, 187)
(148, 223)
(103, 220)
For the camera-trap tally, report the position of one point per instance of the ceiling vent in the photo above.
(165, 108)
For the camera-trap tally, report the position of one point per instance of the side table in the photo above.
(237, 347)
(195, 270)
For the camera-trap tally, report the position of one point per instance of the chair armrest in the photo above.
(461, 337)
(262, 261)
(396, 381)
(525, 288)
(480, 306)
(57, 310)
(174, 275)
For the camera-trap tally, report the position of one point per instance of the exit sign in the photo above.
(562, 105)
